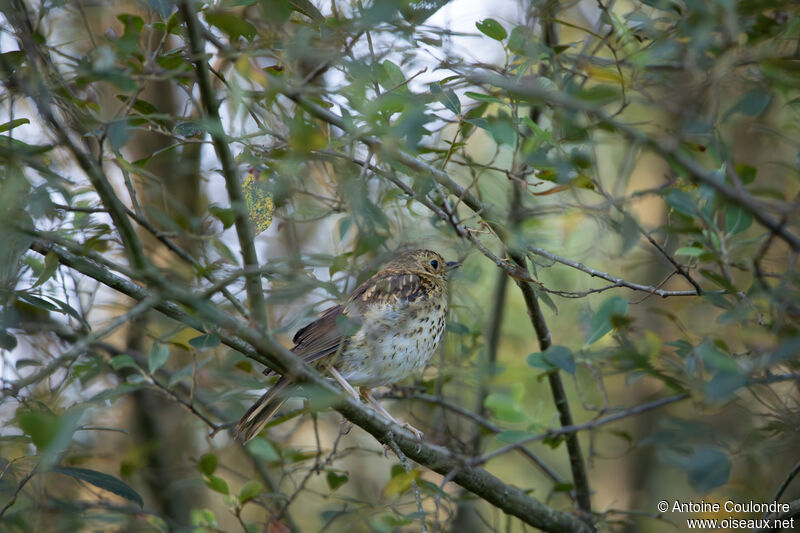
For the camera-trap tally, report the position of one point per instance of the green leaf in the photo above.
(157, 357)
(484, 97)
(13, 124)
(603, 319)
(691, 251)
(217, 484)
(41, 425)
(204, 342)
(207, 463)
(681, 202)
(250, 490)
(103, 481)
(8, 341)
(447, 97)
(492, 28)
(718, 279)
(335, 479)
(391, 77)
(630, 233)
(502, 130)
(188, 129)
(263, 450)
(545, 298)
(561, 357)
(119, 362)
(224, 215)
(522, 41)
(600, 94)
(737, 219)
(715, 358)
(512, 436)
(751, 104)
(537, 360)
(505, 408)
(118, 133)
(746, 172)
(724, 385)
(203, 518)
(563, 487)
(707, 468)
(162, 7)
(231, 24)
(50, 266)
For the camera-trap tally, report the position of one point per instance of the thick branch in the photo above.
(576, 463)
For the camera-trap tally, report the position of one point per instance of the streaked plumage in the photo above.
(401, 311)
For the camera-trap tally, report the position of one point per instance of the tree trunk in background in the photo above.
(155, 416)
(161, 445)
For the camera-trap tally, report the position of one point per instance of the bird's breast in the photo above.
(393, 342)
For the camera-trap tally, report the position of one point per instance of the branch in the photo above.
(579, 477)
(253, 344)
(793, 512)
(565, 430)
(255, 293)
(17, 490)
(792, 474)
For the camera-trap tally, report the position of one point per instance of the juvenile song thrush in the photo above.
(401, 311)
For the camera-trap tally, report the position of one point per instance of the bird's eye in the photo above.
(435, 264)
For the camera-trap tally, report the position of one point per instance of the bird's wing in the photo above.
(325, 335)
(319, 338)
(386, 287)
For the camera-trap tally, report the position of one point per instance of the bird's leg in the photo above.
(343, 382)
(367, 394)
(349, 388)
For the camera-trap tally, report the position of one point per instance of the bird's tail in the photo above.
(260, 413)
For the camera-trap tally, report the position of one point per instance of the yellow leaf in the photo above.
(260, 205)
(400, 483)
(246, 69)
(603, 74)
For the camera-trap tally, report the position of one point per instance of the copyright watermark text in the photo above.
(729, 506)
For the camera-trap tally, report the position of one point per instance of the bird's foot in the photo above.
(417, 433)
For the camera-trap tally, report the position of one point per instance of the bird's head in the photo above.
(424, 263)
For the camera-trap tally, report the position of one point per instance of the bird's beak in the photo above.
(452, 265)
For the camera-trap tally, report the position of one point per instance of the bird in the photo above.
(400, 313)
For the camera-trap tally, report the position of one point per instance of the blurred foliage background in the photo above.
(620, 179)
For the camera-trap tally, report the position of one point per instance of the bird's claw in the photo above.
(417, 433)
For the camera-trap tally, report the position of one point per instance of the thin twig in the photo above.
(20, 485)
(565, 430)
(789, 477)
(414, 487)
